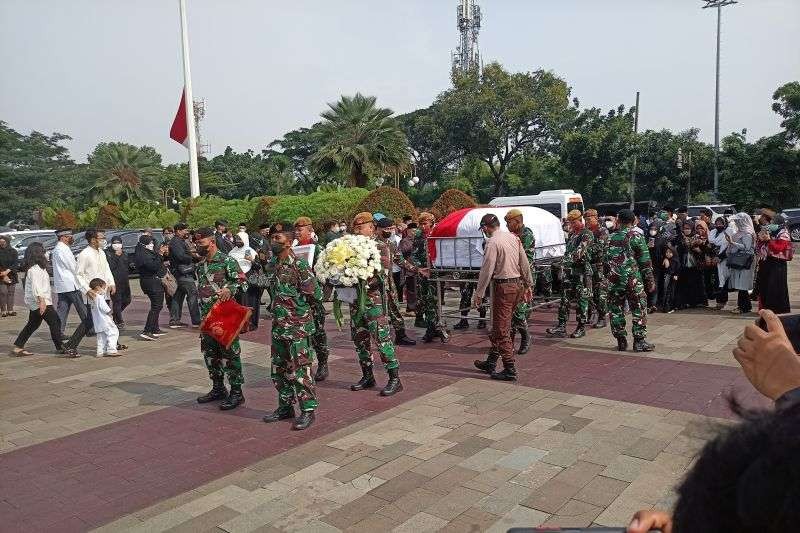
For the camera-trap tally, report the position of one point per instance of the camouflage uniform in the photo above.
(577, 281)
(319, 339)
(629, 262)
(372, 326)
(294, 291)
(427, 302)
(597, 251)
(395, 316)
(519, 319)
(218, 273)
(544, 281)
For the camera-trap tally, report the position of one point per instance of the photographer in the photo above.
(745, 480)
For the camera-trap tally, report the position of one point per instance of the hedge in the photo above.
(388, 201)
(262, 213)
(451, 200)
(320, 207)
(206, 210)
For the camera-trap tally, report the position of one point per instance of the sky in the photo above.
(110, 70)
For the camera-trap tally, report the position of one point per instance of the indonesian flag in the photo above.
(179, 131)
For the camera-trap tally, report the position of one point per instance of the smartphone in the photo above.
(791, 323)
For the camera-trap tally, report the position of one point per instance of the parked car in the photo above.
(793, 222)
(45, 237)
(717, 209)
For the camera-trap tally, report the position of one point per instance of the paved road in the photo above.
(586, 436)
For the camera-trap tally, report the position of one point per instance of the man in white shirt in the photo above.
(91, 263)
(65, 283)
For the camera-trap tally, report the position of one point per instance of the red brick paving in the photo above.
(93, 477)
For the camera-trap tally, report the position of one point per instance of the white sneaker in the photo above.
(146, 337)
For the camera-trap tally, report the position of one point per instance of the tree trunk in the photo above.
(358, 178)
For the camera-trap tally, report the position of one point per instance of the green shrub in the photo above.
(204, 211)
(108, 217)
(320, 207)
(262, 213)
(451, 200)
(388, 201)
(146, 215)
(88, 217)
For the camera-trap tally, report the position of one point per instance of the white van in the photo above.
(558, 202)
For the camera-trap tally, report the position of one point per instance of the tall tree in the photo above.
(360, 139)
(33, 169)
(298, 146)
(432, 149)
(125, 172)
(787, 105)
(497, 116)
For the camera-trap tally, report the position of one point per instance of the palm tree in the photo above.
(358, 138)
(125, 172)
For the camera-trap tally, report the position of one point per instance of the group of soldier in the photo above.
(601, 273)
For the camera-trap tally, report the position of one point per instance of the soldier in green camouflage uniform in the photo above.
(219, 278)
(577, 281)
(519, 320)
(598, 305)
(370, 326)
(318, 339)
(629, 263)
(293, 289)
(427, 301)
(386, 230)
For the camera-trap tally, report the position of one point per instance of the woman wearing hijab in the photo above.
(743, 241)
(248, 262)
(692, 246)
(119, 264)
(774, 249)
(8, 276)
(151, 269)
(719, 238)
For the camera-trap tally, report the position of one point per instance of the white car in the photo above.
(717, 209)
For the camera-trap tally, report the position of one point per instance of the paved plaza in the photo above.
(586, 436)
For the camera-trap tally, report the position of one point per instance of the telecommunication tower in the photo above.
(467, 57)
(199, 106)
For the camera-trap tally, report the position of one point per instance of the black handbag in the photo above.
(740, 260)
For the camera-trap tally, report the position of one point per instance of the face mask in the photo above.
(342, 229)
(276, 248)
(653, 233)
(103, 244)
(609, 224)
(149, 246)
(117, 246)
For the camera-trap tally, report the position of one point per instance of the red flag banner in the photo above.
(179, 131)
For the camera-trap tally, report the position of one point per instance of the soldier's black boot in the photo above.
(303, 421)
(462, 324)
(622, 343)
(489, 365)
(367, 380)
(322, 371)
(509, 373)
(600, 324)
(640, 344)
(558, 331)
(579, 332)
(401, 339)
(430, 334)
(217, 392)
(419, 321)
(525, 341)
(281, 413)
(393, 386)
(234, 399)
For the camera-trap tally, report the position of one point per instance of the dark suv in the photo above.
(793, 222)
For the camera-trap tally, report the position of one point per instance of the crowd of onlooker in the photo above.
(705, 259)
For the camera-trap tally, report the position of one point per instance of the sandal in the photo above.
(20, 352)
(121, 347)
(71, 353)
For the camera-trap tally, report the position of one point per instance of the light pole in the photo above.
(719, 4)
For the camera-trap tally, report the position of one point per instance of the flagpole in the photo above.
(194, 179)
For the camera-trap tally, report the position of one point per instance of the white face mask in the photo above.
(103, 243)
(653, 233)
(149, 246)
(609, 224)
(117, 246)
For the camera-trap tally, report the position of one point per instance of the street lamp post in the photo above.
(719, 4)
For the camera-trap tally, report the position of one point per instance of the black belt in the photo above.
(508, 280)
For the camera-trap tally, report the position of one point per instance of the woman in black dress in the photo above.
(119, 262)
(690, 290)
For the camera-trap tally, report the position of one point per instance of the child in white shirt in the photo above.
(104, 326)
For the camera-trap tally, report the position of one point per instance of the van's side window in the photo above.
(555, 209)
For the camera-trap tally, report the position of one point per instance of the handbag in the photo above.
(740, 260)
(170, 283)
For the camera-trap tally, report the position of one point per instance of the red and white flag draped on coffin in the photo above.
(457, 242)
(179, 132)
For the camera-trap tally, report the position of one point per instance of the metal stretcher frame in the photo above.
(469, 274)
